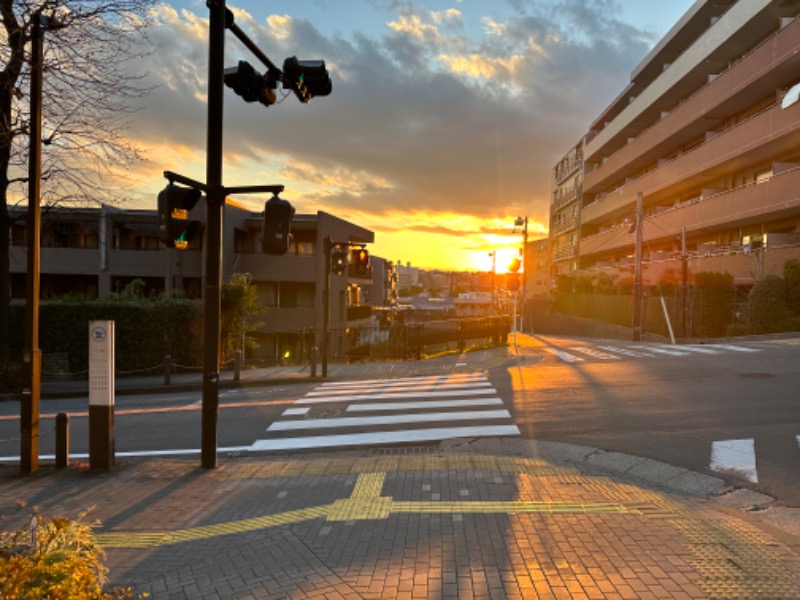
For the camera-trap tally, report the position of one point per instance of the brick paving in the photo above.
(372, 526)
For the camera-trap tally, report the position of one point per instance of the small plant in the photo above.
(54, 558)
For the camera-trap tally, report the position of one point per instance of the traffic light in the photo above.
(362, 269)
(251, 85)
(306, 78)
(175, 228)
(512, 282)
(278, 214)
(338, 260)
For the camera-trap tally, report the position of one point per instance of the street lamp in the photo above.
(493, 254)
(522, 223)
(29, 407)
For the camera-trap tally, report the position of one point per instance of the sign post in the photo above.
(101, 394)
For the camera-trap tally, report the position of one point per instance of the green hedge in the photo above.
(146, 331)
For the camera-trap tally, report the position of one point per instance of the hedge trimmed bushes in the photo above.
(146, 330)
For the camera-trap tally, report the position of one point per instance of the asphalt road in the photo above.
(678, 406)
(675, 409)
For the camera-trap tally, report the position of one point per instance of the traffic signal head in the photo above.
(362, 269)
(175, 228)
(514, 266)
(251, 85)
(278, 214)
(512, 283)
(338, 260)
(306, 78)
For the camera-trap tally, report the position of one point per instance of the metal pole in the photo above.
(684, 285)
(215, 200)
(637, 281)
(494, 257)
(524, 273)
(326, 308)
(29, 407)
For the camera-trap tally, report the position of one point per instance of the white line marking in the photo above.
(734, 348)
(595, 353)
(469, 415)
(328, 392)
(423, 405)
(737, 456)
(385, 437)
(408, 380)
(378, 396)
(136, 453)
(666, 351)
(625, 351)
(565, 356)
(295, 411)
(700, 349)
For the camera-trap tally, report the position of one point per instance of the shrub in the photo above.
(63, 563)
(714, 295)
(766, 305)
(791, 278)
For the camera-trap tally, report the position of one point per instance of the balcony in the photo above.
(754, 76)
(766, 134)
(263, 267)
(357, 313)
(772, 200)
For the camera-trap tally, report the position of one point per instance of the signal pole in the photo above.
(637, 277)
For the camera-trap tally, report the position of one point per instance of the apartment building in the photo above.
(702, 134)
(96, 252)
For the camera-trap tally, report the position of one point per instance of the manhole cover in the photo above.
(326, 411)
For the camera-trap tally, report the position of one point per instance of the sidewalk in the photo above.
(525, 350)
(471, 518)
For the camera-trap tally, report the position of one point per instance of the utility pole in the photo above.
(326, 305)
(523, 222)
(32, 355)
(684, 285)
(637, 280)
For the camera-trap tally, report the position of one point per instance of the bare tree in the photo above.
(91, 89)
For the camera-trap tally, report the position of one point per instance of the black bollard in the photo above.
(62, 440)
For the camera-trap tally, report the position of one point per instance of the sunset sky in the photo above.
(445, 119)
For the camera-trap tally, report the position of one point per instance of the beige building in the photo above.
(96, 252)
(706, 134)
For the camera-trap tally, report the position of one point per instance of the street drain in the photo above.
(430, 448)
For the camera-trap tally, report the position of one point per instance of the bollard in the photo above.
(237, 365)
(62, 440)
(167, 369)
(312, 357)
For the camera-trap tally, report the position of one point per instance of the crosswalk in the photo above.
(615, 352)
(390, 411)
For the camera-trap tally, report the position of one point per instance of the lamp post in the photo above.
(637, 277)
(522, 222)
(32, 356)
(493, 254)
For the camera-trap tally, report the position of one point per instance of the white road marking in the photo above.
(385, 437)
(455, 386)
(565, 356)
(387, 420)
(667, 351)
(736, 456)
(295, 411)
(406, 380)
(377, 396)
(626, 351)
(700, 349)
(734, 348)
(595, 353)
(423, 404)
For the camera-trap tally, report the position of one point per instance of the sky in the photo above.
(445, 119)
